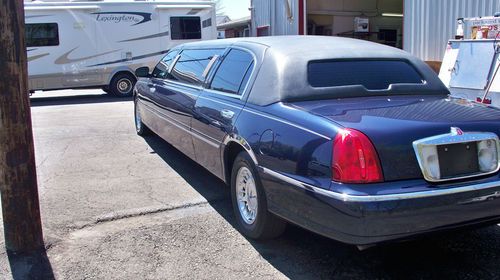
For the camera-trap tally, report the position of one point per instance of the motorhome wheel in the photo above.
(122, 84)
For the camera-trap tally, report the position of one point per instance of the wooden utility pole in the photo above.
(18, 184)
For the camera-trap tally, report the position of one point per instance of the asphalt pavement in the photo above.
(118, 206)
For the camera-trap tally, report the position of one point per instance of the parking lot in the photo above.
(118, 206)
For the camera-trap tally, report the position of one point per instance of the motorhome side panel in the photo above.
(130, 37)
(60, 44)
(101, 41)
(139, 35)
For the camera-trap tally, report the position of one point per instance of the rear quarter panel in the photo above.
(288, 140)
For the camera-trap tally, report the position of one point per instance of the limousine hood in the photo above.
(393, 123)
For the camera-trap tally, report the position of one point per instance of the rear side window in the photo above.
(185, 28)
(41, 34)
(161, 69)
(372, 74)
(191, 65)
(232, 74)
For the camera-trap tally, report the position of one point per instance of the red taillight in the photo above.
(355, 159)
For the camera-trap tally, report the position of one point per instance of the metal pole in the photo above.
(490, 82)
(18, 184)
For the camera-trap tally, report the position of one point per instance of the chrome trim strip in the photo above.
(205, 138)
(220, 102)
(209, 66)
(286, 122)
(176, 58)
(183, 84)
(242, 142)
(232, 95)
(454, 138)
(379, 198)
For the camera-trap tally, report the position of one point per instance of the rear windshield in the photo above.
(372, 74)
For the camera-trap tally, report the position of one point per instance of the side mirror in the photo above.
(142, 72)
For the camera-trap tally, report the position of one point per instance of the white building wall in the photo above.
(429, 24)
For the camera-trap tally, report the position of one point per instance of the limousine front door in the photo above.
(175, 103)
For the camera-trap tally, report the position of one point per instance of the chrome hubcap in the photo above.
(246, 195)
(124, 85)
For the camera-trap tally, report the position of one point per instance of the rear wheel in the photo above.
(249, 202)
(122, 84)
(140, 127)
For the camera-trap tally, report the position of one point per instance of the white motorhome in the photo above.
(100, 44)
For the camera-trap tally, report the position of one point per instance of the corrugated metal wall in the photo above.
(261, 14)
(429, 24)
(274, 13)
(289, 25)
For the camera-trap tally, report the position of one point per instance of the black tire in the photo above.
(122, 85)
(140, 127)
(265, 225)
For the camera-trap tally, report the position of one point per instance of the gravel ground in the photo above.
(118, 206)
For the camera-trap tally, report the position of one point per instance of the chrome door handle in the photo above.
(227, 114)
(152, 88)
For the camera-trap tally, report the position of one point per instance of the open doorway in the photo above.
(379, 21)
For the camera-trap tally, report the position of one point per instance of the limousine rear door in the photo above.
(218, 107)
(176, 94)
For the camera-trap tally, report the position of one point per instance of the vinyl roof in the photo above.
(282, 67)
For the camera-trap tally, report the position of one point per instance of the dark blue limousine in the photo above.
(353, 140)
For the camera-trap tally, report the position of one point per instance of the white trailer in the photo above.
(100, 44)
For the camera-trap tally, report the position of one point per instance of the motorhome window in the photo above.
(161, 69)
(232, 71)
(185, 28)
(190, 66)
(41, 34)
(207, 23)
(372, 74)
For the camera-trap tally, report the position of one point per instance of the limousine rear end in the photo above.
(353, 140)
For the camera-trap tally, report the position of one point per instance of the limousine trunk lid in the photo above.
(393, 123)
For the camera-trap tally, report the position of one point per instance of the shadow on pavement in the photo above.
(300, 254)
(30, 266)
(76, 99)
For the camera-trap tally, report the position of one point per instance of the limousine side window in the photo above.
(41, 34)
(233, 73)
(161, 69)
(190, 66)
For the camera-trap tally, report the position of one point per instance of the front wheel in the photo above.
(249, 202)
(140, 127)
